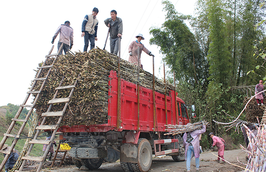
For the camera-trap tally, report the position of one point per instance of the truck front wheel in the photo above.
(93, 164)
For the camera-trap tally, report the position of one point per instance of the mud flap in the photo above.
(129, 153)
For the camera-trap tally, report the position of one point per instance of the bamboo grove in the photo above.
(217, 51)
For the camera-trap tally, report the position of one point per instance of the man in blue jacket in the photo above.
(89, 29)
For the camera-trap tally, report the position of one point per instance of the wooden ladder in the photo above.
(53, 128)
(60, 159)
(25, 104)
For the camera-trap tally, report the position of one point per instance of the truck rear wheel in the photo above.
(144, 155)
(93, 164)
(176, 158)
(126, 166)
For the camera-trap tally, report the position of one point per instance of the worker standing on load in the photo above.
(115, 25)
(66, 37)
(219, 142)
(89, 29)
(135, 49)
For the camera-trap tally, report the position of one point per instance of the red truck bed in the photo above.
(129, 110)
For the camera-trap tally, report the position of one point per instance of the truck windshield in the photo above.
(184, 111)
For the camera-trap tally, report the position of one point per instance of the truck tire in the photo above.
(77, 162)
(176, 158)
(126, 166)
(144, 156)
(112, 155)
(92, 164)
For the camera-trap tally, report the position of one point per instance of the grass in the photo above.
(36, 151)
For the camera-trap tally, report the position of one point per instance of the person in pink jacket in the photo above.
(192, 146)
(135, 49)
(259, 98)
(219, 142)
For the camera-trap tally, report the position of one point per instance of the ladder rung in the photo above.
(59, 100)
(11, 135)
(43, 142)
(46, 127)
(33, 158)
(19, 120)
(27, 106)
(65, 87)
(51, 55)
(40, 79)
(59, 113)
(34, 92)
(43, 67)
(59, 159)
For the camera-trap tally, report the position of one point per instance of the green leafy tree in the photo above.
(181, 50)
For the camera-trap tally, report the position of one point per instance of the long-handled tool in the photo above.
(106, 38)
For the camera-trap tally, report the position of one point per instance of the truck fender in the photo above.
(131, 137)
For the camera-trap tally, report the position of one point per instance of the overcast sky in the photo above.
(27, 28)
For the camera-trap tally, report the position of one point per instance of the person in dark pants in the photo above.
(12, 158)
(116, 29)
(66, 37)
(89, 29)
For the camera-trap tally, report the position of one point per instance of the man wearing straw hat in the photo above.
(135, 49)
(12, 158)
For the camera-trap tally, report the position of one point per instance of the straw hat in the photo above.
(140, 35)
(6, 148)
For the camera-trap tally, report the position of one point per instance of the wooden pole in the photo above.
(138, 85)
(153, 92)
(165, 96)
(119, 88)
(176, 110)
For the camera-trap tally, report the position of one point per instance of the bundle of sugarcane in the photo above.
(89, 103)
(256, 149)
(253, 110)
(178, 129)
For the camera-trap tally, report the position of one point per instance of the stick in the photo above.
(106, 38)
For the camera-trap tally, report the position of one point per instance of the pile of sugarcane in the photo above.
(256, 149)
(253, 110)
(179, 129)
(89, 103)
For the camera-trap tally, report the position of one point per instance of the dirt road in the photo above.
(166, 164)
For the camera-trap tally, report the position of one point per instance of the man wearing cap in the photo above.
(219, 142)
(115, 25)
(135, 49)
(89, 29)
(66, 37)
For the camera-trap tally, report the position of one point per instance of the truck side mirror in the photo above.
(193, 115)
(193, 108)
